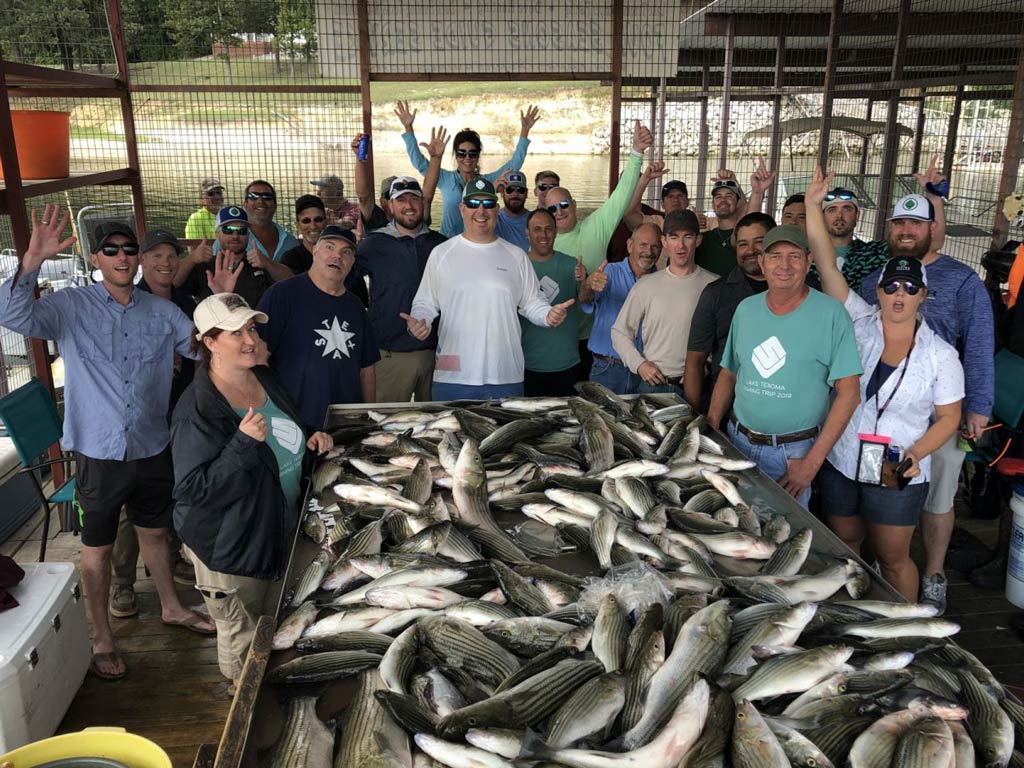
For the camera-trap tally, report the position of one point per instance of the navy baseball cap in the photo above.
(107, 229)
(671, 186)
(911, 270)
(334, 232)
(309, 201)
(231, 214)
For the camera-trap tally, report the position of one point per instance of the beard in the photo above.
(915, 251)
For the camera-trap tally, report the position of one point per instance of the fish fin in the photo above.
(533, 749)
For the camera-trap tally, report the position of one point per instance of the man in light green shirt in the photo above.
(203, 223)
(787, 348)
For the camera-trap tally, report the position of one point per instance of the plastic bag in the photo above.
(636, 586)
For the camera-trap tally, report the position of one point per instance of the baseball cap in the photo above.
(673, 185)
(728, 184)
(913, 207)
(208, 185)
(516, 179)
(231, 213)
(106, 229)
(334, 232)
(840, 195)
(155, 237)
(911, 270)
(479, 187)
(787, 233)
(308, 201)
(329, 180)
(404, 185)
(385, 187)
(677, 220)
(227, 311)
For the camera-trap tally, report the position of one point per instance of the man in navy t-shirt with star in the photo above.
(319, 335)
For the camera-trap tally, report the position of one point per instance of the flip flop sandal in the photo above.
(110, 657)
(192, 624)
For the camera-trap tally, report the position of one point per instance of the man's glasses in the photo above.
(516, 190)
(472, 154)
(561, 205)
(839, 194)
(308, 220)
(910, 288)
(474, 202)
(405, 186)
(230, 230)
(128, 248)
(725, 184)
(546, 187)
(260, 196)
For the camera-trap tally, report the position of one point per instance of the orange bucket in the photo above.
(43, 140)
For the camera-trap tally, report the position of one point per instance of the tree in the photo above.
(295, 32)
(197, 26)
(50, 33)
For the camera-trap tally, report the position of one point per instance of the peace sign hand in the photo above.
(762, 178)
(558, 313)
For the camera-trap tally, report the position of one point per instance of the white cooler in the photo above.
(44, 653)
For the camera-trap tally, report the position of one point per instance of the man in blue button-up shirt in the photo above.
(603, 293)
(118, 345)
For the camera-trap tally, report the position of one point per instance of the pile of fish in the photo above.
(688, 632)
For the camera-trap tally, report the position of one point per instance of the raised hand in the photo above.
(930, 176)
(820, 184)
(655, 170)
(438, 141)
(418, 328)
(320, 442)
(702, 221)
(651, 373)
(598, 280)
(355, 144)
(47, 238)
(643, 139)
(762, 178)
(502, 182)
(256, 259)
(405, 116)
(224, 277)
(580, 272)
(528, 119)
(202, 253)
(558, 313)
(254, 425)
(724, 174)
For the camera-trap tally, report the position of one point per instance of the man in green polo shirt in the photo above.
(787, 349)
(203, 223)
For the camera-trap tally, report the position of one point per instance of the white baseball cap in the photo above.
(913, 207)
(227, 311)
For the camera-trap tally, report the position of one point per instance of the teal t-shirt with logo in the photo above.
(785, 365)
(549, 350)
(288, 442)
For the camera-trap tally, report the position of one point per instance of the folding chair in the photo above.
(33, 424)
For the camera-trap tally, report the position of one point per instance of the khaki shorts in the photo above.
(946, 465)
(235, 604)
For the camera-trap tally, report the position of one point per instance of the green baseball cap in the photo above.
(787, 233)
(479, 187)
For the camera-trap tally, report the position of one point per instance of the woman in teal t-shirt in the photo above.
(238, 451)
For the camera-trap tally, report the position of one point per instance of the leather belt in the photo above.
(758, 438)
(607, 358)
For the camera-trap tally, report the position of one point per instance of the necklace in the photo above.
(724, 239)
(245, 396)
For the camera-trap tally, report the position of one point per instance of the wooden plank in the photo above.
(239, 720)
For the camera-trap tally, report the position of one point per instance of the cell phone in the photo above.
(901, 481)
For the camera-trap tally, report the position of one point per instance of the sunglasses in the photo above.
(561, 205)
(839, 194)
(128, 248)
(405, 186)
(230, 230)
(910, 288)
(472, 154)
(474, 202)
(725, 184)
(314, 220)
(260, 196)
(546, 187)
(516, 190)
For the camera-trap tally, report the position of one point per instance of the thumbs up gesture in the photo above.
(202, 253)
(598, 280)
(558, 313)
(581, 272)
(418, 328)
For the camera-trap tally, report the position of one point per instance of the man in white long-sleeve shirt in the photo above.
(660, 308)
(479, 284)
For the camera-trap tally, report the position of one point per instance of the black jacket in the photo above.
(229, 506)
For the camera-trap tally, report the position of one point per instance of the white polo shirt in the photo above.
(934, 377)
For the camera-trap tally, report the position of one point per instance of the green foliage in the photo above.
(295, 31)
(67, 33)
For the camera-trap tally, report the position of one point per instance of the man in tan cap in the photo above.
(203, 223)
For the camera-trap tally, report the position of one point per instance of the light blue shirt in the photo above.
(450, 182)
(513, 229)
(118, 362)
(285, 242)
(605, 308)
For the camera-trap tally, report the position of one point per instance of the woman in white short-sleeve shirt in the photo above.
(910, 399)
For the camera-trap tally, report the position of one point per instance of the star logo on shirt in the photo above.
(335, 339)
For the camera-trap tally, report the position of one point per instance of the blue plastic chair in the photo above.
(33, 424)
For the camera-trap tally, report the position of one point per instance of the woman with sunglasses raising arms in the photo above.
(875, 481)
(467, 148)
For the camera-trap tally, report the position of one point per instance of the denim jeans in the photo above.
(444, 391)
(668, 387)
(773, 460)
(618, 378)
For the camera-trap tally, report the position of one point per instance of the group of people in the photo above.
(195, 399)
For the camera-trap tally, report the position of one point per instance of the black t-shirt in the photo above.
(184, 368)
(251, 284)
(377, 220)
(757, 286)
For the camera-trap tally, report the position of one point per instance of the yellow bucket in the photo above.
(111, 743)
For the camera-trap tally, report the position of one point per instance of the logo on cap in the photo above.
(480, 184)
(232, 302)
(909, 204)
(903, 264)
(233, 211)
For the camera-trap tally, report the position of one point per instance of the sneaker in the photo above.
(184, 573)
(122, 601)
(933, 591)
